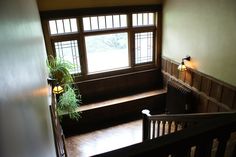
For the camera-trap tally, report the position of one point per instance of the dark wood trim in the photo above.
(158, 49)
(82, 50)
(118, 85)
(131, 42)
(127, 70)
(47, 39)
(99, 10)
(78, 13)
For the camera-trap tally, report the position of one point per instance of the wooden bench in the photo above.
(113, 111)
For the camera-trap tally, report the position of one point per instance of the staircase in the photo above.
(186, 135)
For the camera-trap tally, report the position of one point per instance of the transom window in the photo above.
(63, 26)
(143, 19)
(102, 43)
(104, 22)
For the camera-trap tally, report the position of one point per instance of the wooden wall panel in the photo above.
(205, 85)
(169, 67)
(216, 90)
(165, 79)
(195, 100)
(203, 104)
(234, 103)
(182, 75)
(221, 109)
(120, 85)
(188, 78)
(210, 94)
(163, 64)
(212, 107)
(175, 71)
(228, 96)
(196, 81)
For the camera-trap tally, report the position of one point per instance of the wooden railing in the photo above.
(209, 136)
(59, 138)
(163, 124)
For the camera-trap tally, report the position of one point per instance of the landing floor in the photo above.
(99, 141)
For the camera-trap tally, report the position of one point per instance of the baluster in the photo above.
(185, 152)
(234, 151)
(153, 128)
(172, 126)
(185, 125)
(169, 127)
(176, 126)
(222, 144)
(163, 127)
(204, 149)
(179, 126)
(158, 128)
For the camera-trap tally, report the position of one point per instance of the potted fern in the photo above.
(68, 101)
(60, 70)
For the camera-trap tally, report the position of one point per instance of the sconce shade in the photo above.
(182, 67)
(57, 89)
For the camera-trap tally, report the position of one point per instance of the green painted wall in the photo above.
(205, 30)
(25, 123)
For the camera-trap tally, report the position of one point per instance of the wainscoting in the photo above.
(210, 94)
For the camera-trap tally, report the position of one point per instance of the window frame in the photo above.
(46, 16)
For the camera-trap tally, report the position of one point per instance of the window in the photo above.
(68, 51)
(107, 52)
(102, 43)
(63, 26)
(143, 19)
(143, 47)
(104, 22)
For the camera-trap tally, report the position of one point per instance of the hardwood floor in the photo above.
(99, 141)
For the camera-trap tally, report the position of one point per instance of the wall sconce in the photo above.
(57, 89)
(182, 66)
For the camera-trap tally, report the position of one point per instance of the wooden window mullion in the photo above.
(131, 41)
(82, 50)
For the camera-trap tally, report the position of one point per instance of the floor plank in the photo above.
(99, 141)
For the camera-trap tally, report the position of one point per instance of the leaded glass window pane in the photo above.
(68, 51)
(143, 47)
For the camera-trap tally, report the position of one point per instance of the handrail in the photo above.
(186, 117)
(179, 144)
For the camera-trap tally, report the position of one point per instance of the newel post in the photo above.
(146, 124)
